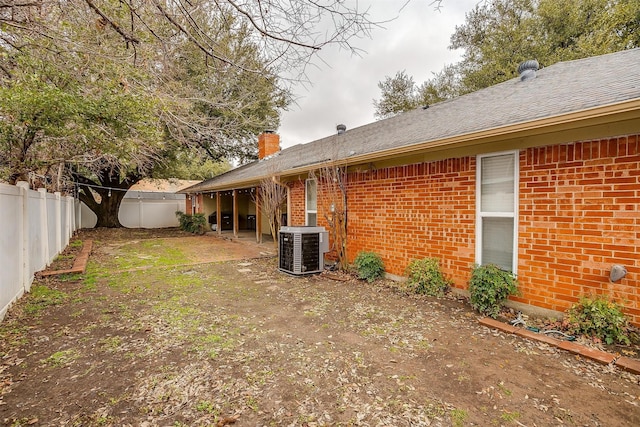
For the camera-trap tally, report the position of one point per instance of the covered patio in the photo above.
(235, 212)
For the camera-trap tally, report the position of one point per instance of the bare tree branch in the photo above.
(127, 37)
(184, 31)
(266, 33)
(332, 196)
(271, 196)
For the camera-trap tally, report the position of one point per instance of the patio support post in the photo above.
(235, 213)
(218, 214)
(258, 216)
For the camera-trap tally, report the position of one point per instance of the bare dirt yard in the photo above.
(169, 329)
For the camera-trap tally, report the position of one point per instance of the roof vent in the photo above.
(527, 70)
(341, 129)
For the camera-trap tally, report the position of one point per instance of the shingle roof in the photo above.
(560, 89)
(151, 185)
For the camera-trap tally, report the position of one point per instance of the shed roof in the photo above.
(566, 91)
(171, 185)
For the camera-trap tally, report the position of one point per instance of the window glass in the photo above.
(497, 210)
(311, 202)
(497, 187)
(312, 219)
(311, 195)
(497, 244)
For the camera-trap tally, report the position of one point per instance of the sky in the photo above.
(343, 88)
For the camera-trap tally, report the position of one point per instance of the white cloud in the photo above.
(343, 89)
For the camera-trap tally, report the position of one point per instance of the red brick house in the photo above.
(539, 174)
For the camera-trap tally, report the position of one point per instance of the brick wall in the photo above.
(579, 214)
(297, 203)
(268, 144)
(415, 211)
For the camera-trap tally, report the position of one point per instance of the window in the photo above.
(496, 208)
(311, 202)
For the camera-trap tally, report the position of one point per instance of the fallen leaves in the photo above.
(237, 342)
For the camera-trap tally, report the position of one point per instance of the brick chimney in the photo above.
(268, 143)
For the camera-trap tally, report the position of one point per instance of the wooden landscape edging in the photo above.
(79, 263)
(626, 363)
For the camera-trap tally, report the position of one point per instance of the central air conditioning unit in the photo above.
(302, 249)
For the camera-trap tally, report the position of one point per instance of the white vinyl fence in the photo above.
(142, 209)
(37, 227)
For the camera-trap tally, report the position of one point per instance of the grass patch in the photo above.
(211, 344)
(94, 275)
(149, 253)
(509, 416)
(42, 297)
(122, 282)
(208, 407)
(260, 377)
(13, 334)
(24, 421)
(504, 389)
(458, 417)
(70, 277)
(110, 344)
(61, 358)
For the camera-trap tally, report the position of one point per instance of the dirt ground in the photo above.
(169, 329)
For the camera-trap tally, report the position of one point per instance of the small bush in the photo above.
(369, 266)
(195, 223)
(425, 277)
(489, 288)
(601, 318)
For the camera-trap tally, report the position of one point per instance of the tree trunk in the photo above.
(107, 210)
(111, 191)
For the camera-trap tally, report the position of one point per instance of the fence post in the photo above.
(25, 275)
(44, 226)
(78, 207)
(72, 206)
(58, 223)
(70, 217)
(140, 215)
(69, 230)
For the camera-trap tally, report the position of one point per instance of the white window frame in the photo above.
(307, 211)
(480, 215)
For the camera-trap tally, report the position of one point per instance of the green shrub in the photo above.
(369, 265)
(489, 288)
(425, 277)
(601, 318)
(195, 223)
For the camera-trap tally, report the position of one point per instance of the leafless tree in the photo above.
(289, 32)
(332, 197)
(271, 196)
